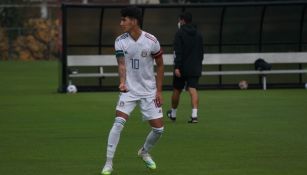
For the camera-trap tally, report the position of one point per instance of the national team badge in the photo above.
(144, 53)
(121, 104)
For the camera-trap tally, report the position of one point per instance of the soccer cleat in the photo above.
(169, 115)
(193, 120)
(107, 170)
(147, 159)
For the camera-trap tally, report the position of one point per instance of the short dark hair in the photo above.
(186, 16)
(132, 12)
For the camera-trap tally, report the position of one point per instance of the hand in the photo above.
(122, 87)
(177, 73)
(159, 99)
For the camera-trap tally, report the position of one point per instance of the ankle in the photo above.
(174, 112)
(109, 161)
(194, 112)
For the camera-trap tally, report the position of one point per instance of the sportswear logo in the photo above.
(121, 104)
(147, 35)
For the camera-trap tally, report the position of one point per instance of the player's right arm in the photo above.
(122, 74)
(120, 56)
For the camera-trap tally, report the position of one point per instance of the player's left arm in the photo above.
(159, 79)
(157, 53)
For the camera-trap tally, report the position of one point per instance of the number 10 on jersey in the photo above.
(135, 63)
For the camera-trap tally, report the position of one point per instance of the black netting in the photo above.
(83, 26)
(281, 28)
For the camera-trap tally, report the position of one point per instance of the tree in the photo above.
(4, 47)
(39, 42)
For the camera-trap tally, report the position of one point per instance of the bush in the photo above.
(39, 42)
(4, 46)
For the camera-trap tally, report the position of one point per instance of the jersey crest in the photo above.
(144, 53)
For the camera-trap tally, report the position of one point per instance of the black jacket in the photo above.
(188, 47)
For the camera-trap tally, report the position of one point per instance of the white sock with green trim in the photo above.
(152, 138)
(114, 136)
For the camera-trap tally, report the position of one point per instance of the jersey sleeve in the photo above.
(156, 50)
(119, 51)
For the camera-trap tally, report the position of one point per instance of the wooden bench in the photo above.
(103, 61)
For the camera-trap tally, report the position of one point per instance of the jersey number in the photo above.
(135, 63)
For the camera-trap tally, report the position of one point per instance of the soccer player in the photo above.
(136, 51)
(188, 51)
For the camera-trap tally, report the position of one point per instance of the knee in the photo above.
(119, 123)
(177, 92)
(158, 131)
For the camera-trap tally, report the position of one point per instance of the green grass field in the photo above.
(249, 132)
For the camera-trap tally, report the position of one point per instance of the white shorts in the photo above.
(126, 104)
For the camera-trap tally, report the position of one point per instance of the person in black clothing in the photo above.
(188, 53)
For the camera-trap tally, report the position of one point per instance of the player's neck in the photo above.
(135, 33)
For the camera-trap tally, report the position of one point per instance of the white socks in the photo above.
(194, 113)
(152, 138)
(114, 136)
(174, 111)
(113, 139)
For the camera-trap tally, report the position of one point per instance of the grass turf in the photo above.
(240, 132)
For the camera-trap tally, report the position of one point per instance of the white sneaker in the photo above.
(147, 159)
(107, 169)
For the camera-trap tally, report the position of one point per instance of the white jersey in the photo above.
(139, 59)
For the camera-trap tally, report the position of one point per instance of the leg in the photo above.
(171, 114)
(114, 134)
(113, 140)
(123, 109)
(192, 84)
(153, 114)
(155, 133)
(194, 97)
(178, 84)
(176, 98)
(152, 138)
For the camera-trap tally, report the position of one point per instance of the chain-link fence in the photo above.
(29, 31)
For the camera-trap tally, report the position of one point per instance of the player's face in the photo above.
(127, 24)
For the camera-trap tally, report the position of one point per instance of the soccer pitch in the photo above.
(240, 132)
